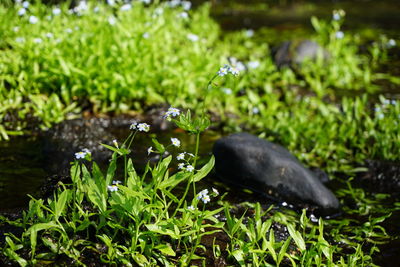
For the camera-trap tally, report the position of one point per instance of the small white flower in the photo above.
(158, 11)
(33, 20)
(115, 143)
(234, 71)
(172, 112)
(126, 7)
(16, 28)
(150, 150)
(68, 30)
(133, 126)
(112, 20)
(181, 166)
(249, 33)
(186, 5)
(49, 35)
(96, 9)
(189, 168)
(192, 37)
(206, 199)
(227, 91)
(112, 188)
(339, 35)
(145, 1)
(146, 35)
(116, 182)
(174, 3)
(80, 155)
(391, 43)
(56, 11)
(336, 16)
(37, 40)
(25, 4)
(143, 127)
(255, 110)
(253, 64)
(22, 12)
(181, 156)
(183, 15)
(176, 142)
(111, 2)
(80, 8)
(216, 193)
(191, 208)
(223, 70)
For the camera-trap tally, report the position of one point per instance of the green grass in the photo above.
(85, 63)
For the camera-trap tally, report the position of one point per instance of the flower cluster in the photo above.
(226, 69)
(82, 154)
(338, 14)
(172, 112)
(203, 196)
(187, 167)
(114, 186)
(141, 127)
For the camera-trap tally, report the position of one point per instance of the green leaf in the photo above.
(166, 249)
(298, 239)
(61, 202)
(204, 170)
(160, 148)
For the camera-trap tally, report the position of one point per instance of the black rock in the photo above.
(248, 161)
(293, 53)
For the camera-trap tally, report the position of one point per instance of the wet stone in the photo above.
(248, 161)
(293, 53)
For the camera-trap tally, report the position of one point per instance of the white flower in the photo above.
(253, 64)
(22, 12)
(111, 2)
(186, 5)
(176, 142)
(158, 11)
(192, 37)
(133, 126)
(33, 20)
(391, 43)
(339, 35)
(249, 33)
(115, 142)
(37, 40)
(145, 1)
(181, 156)
(172, 112)
(49, 35)
(116, 182)
(255, 110)
(143, 127)
(189, 168)
(181, 166)
(25, 4)
(81, 7)
(16, 28)
(112, 188)
(183, 15)
(82, 154)
(20, 39)
(215, 191)
(96, 9)
(203, 196)
(191, 207)
(150, 150)
(234, 71)
(227, 91)
(174, 3)
(68, 30)
(336, 16)
(223, 70)
(126, 7)
(146, 35)
(56, 11)
(112, 20)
